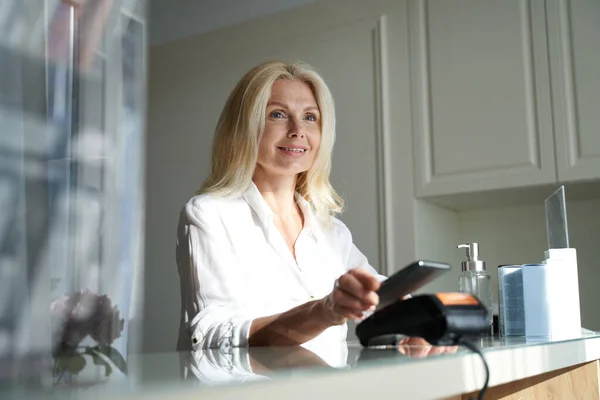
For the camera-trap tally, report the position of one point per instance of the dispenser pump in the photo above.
(474, 279)
(473, 263)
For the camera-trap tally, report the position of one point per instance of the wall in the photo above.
(516, 235)
(437, 235)
(175, 19)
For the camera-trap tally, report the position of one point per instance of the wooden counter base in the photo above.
(579, 381)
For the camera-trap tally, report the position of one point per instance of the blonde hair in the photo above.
(237, 135)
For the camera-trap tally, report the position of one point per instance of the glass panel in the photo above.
(556, 220)
(71, 181)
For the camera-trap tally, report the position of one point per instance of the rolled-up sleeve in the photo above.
(213, 314)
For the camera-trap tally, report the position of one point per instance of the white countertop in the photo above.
(430, 378)
(372, 373)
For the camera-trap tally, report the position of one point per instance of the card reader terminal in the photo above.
(442, 319)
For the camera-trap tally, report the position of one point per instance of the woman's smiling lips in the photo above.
(293, 150)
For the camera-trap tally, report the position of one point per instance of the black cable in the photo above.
(471, 346)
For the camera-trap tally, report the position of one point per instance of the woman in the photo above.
(262, 259)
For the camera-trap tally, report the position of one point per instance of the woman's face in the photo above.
(292, 132)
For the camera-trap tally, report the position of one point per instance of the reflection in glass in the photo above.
(411, 347)
(245, 364)
(71, 111)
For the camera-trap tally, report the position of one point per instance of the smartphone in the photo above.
(409, 279)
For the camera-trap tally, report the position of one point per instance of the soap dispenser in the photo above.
(474, 278)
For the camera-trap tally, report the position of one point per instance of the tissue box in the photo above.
(551, 296)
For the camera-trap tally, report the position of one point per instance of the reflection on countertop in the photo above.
(191, 370)
(209, 367)
(216, 366)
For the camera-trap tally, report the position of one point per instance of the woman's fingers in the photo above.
(347, 312)
(350, 284)
(345, 299)
(356, 286)
(353, 294)
(368, 281)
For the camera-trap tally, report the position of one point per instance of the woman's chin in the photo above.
(285, 170)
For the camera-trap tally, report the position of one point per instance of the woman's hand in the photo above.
(353, 294)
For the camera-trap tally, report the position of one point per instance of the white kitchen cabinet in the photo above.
(480, 95)
(504, 94)
(574, 37)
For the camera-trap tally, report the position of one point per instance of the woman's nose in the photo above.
(295, 128)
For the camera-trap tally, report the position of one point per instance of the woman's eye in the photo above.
(277, 114)
(311, 117)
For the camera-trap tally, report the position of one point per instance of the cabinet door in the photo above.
(574, 37)
(480, 95)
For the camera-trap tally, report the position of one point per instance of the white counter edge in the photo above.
(433, 378)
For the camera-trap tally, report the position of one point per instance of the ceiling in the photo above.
(175, 19)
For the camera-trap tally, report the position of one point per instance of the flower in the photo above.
(107, 324)
(85, 313)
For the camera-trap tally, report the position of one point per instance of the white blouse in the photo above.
(235, 266)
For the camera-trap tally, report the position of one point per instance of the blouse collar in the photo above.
(256, 201)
